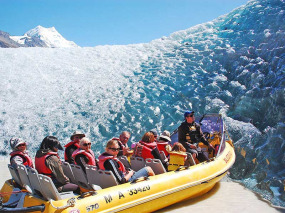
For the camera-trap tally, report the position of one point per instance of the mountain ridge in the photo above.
(36, 37)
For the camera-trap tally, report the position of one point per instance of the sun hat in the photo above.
(188, 113)
(14, 142)
(165, 135)
(77, 132)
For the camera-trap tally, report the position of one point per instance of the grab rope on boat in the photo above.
(71, 202)
(2, 194)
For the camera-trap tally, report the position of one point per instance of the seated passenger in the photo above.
(47, 162)
(164, 141)
(19, 155)
(178, 157)
(72, 146)
(84, 155)
(147, 148)
(123, 143)
(108, 161)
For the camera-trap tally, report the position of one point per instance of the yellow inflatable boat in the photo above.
(143, 195)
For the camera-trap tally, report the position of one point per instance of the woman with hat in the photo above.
(164, 141)
(19, 155)
(47, 162)
(72, 146)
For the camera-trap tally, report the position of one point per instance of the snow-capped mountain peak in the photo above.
(40, 37)
(50, 37)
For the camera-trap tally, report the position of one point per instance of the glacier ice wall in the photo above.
(234, 65)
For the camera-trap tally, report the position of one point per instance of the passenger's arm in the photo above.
(16, 160)
(69, 151)
(81, 160)
(54, 164)
(110, 165)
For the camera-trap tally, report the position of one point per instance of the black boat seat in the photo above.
(15, 175)
(102, 178)
(156, 166)
(125, 161)
(23, 173)
(137, 163)
(43, 186)
(68, 172)
(35, 183)
(81, 177)
(50, 191)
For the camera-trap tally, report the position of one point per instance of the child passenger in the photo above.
(108, 161)
(178, 148)
(19, 155)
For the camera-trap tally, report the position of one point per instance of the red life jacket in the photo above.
(27, 160)
(144, 149)
(72, 143)
(161, 147)
(102, 158)
(40, 163)
(90, 155)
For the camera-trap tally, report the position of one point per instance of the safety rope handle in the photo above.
(71, 202)
(9, 193)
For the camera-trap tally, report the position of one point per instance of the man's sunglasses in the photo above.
(86, 144)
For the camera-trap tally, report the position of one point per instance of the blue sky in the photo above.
(100, 22)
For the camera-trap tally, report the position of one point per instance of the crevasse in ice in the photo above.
(234, 65)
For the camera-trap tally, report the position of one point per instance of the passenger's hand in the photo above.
(131, 172)
(192, 146)
(125, 150)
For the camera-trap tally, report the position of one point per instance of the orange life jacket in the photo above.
(72, 143)
(143, 149)
(27, 160)
(90, 155)
(40, 164)
(161, 147)
(102, 158)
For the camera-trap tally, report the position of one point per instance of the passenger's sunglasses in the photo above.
(22, 145)
(115, 149)
(189, 116)
(86, 144)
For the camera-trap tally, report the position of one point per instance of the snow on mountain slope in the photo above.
(43, 37)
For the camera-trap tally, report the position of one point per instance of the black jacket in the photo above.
(191, 133)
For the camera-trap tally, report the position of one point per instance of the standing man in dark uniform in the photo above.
(190, 134)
